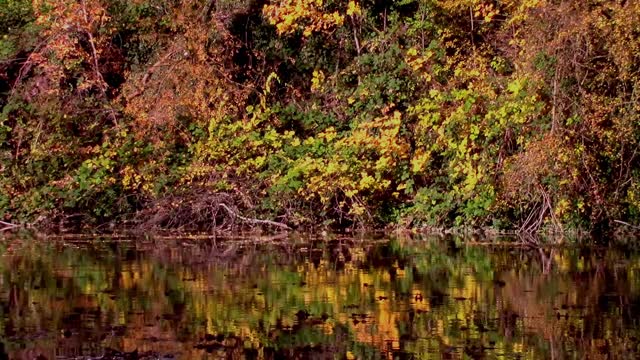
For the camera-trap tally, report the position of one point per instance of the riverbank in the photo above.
(518, 115)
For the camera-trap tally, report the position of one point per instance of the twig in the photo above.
(9, 61)
(253, 221)
(355, 37)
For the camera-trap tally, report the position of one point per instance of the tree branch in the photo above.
(7, 226)
(355, 37)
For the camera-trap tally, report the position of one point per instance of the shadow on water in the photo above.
(345, 299)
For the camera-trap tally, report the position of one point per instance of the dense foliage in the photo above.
(512, 113)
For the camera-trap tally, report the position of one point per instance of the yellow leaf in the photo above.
(353, 9)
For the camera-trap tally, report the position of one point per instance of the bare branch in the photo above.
(253, 221)
(627, 224)
(7, 226)
(94, 54)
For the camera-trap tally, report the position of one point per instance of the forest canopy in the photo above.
(512, 114)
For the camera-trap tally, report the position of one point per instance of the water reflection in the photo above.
(347, 299)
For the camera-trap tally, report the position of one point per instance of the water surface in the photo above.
(315, 299)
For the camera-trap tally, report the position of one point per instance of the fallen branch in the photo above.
(627, 224)
(253, 221)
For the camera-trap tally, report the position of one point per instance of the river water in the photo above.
(367, 298)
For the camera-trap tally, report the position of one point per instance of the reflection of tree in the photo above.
(425, 298)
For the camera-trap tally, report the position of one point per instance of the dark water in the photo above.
(339, 299)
